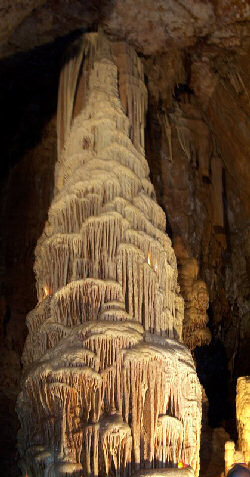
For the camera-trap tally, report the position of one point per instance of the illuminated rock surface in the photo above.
(242, 453)
(195, 293)
(108, 388)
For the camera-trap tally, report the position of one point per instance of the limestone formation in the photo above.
(108, 388)
(187, 472)
(243, 416)
(242, 453)
(195, 293)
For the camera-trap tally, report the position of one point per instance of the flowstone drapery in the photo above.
(108, 387)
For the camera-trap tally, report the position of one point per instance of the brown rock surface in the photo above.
(150, 26)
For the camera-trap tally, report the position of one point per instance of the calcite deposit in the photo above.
(108, 387)
(241, 452)
(195, 293)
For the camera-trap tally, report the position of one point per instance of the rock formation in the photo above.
(108, 388)
(195, 294)
(243, 416)
(242, 453)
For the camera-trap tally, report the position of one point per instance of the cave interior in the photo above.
(195, 59)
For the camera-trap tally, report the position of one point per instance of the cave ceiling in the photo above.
(151, 26)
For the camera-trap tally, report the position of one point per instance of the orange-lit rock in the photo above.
(241, 453)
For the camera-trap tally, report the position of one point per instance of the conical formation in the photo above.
(108, 390)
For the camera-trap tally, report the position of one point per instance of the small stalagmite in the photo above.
(241, 452)
(108, 388)
(195, 293)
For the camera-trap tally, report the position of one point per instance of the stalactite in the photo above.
(217, 193)
(193, 136)
(107, 389)
(166, 130)
(132, 90)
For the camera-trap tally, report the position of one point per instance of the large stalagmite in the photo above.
(108, 387)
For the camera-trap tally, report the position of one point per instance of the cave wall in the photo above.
(199, 157)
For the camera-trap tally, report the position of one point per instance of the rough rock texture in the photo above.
(107, 387)
(243, 416)
(242, 454)
(202, 187)
(195, 293)
(150, 26)
(187, 472)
